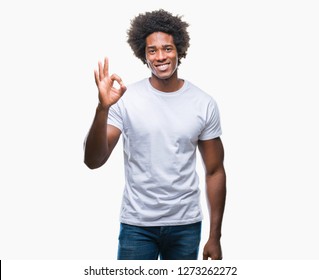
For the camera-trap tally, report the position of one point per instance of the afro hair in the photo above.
(157, 21)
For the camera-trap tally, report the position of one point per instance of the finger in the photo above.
(123, 89)
(101, 75)
(216, 257)
(96, 77)
(106, 67)
(117, 78)
(205, 256)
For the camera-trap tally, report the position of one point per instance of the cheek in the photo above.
(150, 65)
(176, 62)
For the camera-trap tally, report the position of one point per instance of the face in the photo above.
(161, 55)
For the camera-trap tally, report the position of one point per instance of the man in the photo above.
(162, 120)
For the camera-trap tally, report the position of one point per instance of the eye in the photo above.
(168, 49)
(151, 51)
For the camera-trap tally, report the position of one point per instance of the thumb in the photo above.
(205, 256)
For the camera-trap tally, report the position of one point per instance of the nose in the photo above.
(160, 55)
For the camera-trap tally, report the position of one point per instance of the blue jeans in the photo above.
(166, 242)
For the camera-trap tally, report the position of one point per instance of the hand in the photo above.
(108, 94)
(212, 250)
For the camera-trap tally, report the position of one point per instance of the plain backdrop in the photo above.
(258, 59)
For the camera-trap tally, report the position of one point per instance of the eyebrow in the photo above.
(163, 46)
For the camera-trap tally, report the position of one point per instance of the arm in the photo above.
(102, 137)
(212, 152)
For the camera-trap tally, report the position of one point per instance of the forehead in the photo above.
(159, 38)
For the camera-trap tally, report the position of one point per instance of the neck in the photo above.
(171, 84)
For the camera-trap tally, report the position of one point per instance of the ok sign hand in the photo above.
(108, 94)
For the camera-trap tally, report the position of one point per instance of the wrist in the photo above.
(215, 235)
(101, 107)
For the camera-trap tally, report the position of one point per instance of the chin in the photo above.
(162, 76)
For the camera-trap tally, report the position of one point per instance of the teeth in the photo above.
(163, 67)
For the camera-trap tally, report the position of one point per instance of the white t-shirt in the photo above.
(160, 133)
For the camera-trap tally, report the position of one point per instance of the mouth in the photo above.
(162, 67)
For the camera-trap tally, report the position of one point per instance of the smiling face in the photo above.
(161, 55)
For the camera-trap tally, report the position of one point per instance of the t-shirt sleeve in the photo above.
(115, 116)
(212, 127)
